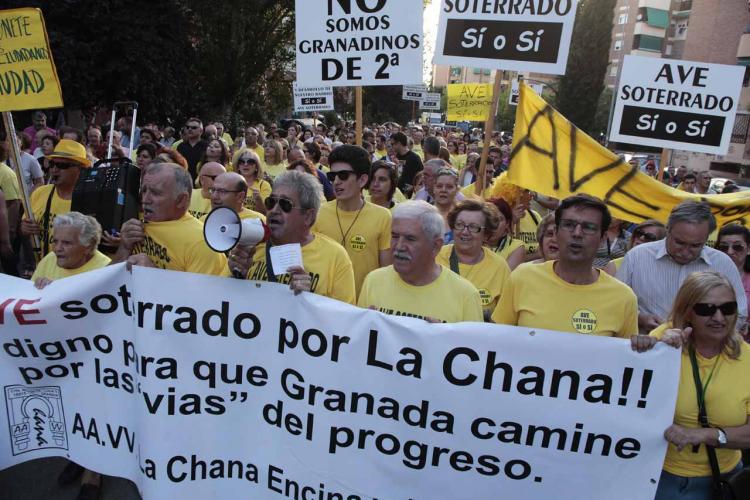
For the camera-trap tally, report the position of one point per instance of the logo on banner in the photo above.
(35, 418)
(533, 35)
(358, 242)
(584, 321)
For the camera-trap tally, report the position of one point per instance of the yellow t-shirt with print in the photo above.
(39, 203)
(527, 230)
(244, 214)
(9, 183)
(276, 170)
(450, 298)
(327, 262)
(48, 268)
(508, 247)
(265, 191)
(199, 206)
(491, 275)
(363, 234)
(178, 245)
(539, 298)
(727, 405)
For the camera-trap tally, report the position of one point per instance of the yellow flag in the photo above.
(28, 78)
(551, 156)
(469, 101)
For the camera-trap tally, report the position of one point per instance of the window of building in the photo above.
(613, 71)
(647, 42)
(618, 45)
(622, 19)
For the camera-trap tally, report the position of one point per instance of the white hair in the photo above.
(89, 229)
(428, 216)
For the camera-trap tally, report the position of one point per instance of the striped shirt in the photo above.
(655, 277)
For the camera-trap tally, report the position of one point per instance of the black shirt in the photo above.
(412, 165)
(193, 155)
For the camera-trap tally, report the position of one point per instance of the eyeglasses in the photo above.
(341, 174)
(737, 247)
(643, 235)
(473, 228)
(63, 165)
(570, 225)
(222, 192)
(285, 205)
(193, 127)
(704, 309)
(246, 161)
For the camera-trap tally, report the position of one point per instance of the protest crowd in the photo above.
(397, 225)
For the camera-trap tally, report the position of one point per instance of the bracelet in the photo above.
(721, 445)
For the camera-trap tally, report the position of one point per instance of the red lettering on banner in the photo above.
(20, 311)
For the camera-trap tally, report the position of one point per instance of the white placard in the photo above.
(359, 42)
(533, 35)
(313, 98)
(198, 387)
(413, 92)
(515, 94)
(676, 104)
(285, 256)
(431, 101)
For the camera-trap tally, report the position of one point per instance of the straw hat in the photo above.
(68, 149)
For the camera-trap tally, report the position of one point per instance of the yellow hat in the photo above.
(68, 149)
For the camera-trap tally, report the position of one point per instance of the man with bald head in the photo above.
(230, 190)
(251, 142)
(168, 237)
(200, 200)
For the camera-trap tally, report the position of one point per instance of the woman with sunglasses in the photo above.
(472, 222)
(646, 232)
(714, 363)
(246, 163)
(734, 240)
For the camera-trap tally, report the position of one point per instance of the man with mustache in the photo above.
(570, 294)
(415, 285)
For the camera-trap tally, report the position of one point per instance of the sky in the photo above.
(431, 16)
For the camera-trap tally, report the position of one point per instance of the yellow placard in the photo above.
(469, 101)
(28, 78)
(551, 156)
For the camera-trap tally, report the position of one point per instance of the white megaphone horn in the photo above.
(224, 229)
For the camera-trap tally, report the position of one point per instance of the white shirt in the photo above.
(655, 277)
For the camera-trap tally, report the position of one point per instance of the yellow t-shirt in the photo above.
(418, 150)
(244, 214)
(363, 234)
(450, 298)
(539, 298)
(39, 203)
(265, 191)
(178, 245)
(227, 139)
(327, 262)
(491, 275)
(458, 161)
(199, 206)
(9, 183)
(617, 262)
(527, 230)
(509, 246)
(276, 170)
(258, 150)
(727, 405)
(48, 268)
(381, 153)
(470, 192)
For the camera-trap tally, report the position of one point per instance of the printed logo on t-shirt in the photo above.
(584, 321)
(486, 297)
(358, 242)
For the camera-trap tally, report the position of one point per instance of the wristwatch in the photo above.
(722, 438)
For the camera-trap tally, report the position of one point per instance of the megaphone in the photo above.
(224, 229)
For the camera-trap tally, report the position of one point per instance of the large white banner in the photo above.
(359, 42)
(312, 98)
(199, 387)
(533, 35)
(677, 104)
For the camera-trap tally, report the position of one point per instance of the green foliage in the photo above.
(583, 82)
(384, 103)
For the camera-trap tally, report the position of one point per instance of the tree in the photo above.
(583, 82)
(384, 103)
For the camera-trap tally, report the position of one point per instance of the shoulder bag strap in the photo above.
(270, 276)
(454, 261)
(45, 222)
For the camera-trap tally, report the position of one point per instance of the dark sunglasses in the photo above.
(737, 247)
(704, 309)
(643, 235)
(63, 165)
(341, 174)
(285, 205)
(248, 161)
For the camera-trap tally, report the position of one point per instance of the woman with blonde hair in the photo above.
(711, 423)
(247, 163)
(275, 162)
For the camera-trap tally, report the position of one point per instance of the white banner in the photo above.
(359, 42)
(312, 98)
(533, 35)
(431, 101)
(677, 104)
(413, 92)
(199, 387)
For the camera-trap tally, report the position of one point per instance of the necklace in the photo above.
(341, 229)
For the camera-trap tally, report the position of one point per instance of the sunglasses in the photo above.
(62, 165)
(704, 309)
(248, 161)
(192, 127)
(285, 205)
(341, 174)
(643, 235)
(737, 247)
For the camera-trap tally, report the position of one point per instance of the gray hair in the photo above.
(431, 220)
(89, 230)
(307, 186)
(183, 183)
(692, 212)
(436, 164)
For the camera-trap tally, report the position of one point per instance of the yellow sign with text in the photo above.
(28, 78)
(469, 101)
(552, 157)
